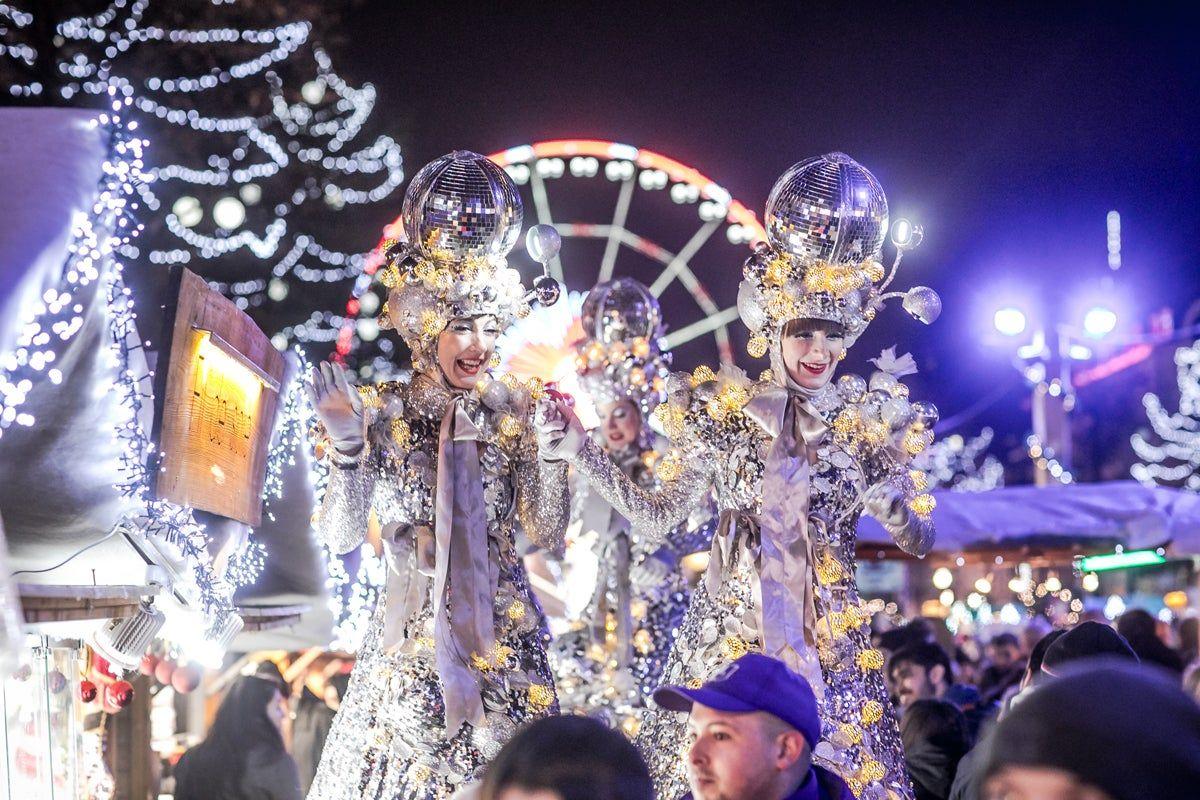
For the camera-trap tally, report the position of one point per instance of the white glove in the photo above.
(649, 573)
(338, 405)
(560, 434)
(885, 502)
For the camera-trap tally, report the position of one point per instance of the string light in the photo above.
(301, 151)
(1176, 460)
(954, 463)
(1043, 458)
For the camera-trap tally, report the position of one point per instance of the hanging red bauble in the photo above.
(87, 691)
(118, 693)
(57, 682)
(163, 672)
(186, 678)
(148, 665)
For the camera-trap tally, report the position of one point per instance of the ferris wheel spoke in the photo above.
(620, 213)
(710, 323)
(541, 205)
(680, 261)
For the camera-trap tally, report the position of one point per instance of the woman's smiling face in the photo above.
(464, 348)
(811, 349)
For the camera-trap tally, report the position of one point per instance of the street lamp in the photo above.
(1009, 321)
(1044, 358)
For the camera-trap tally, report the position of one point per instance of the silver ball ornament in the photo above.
(546, 290)
(923, 303)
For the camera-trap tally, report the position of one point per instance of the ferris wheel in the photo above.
(622, 211)
(682, 225)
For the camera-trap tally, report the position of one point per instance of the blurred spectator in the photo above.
(1005, 667)
(1189, 640)
(1086, 640)
(1140, 629)
(914, 632)
(935, 738)
(754, 727)
(316, 705)
(1191, 683)
(966, 661)
(567, 758)
(1035, 630)
(1141, 742)
(923, 672)
(242, 758)
(1033, 668)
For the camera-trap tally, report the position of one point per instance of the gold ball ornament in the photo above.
(829, 571)
(432, 324)
(516, 611)
(869, 659)
(669, 467)
(540, 696)
(401, 432)
(702, 374)
(758, 346)
(915, 441)
(872, 712)
(872, 771)
(923, 505)
(850, 733)
(510, 426)
(734, 647)
(875, 271)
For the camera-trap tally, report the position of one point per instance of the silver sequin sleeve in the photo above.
(543, 501)
(342, 524)
(655, 514)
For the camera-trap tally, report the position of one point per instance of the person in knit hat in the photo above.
(1107, 730)
(1086, 640)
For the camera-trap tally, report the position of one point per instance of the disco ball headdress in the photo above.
(826, 220)
(621, 356)
(461, 217)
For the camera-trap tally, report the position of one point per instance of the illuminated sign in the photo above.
(222, 388)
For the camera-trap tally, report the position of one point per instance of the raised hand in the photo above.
(338, 405)
(560, 434)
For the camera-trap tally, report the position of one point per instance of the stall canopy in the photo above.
(1078, 515)
(57, 475)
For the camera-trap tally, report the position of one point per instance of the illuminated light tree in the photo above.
(1175, 459)
(258, 146)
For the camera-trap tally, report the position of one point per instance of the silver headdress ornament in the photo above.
(621, 357)
(826, 219)
(461, 216)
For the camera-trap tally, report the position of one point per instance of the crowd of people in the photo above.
(1094, 712)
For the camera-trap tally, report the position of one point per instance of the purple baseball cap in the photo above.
(753, 683)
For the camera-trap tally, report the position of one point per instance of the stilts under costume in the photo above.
(455, 657)
(612, 660)
(794, 469)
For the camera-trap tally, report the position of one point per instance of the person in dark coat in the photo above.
(1140, 629)
(935, 739)
(243, 757)
(1103, 729)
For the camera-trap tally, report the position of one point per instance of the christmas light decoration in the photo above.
(955, 463)
(1175, 461)
(246, 143)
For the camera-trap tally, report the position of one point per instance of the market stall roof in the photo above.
(1075, 515)
(56, 476)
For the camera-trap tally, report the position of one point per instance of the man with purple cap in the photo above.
(753, 728)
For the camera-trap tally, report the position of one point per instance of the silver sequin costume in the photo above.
(388, 740)
(860, 738)
(608, 664)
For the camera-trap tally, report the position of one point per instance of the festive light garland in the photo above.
(315, 132)
(1176, 460)
(953, 463)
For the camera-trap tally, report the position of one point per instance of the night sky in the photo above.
(1009, 133)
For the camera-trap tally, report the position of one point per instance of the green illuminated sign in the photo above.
(1132, 558)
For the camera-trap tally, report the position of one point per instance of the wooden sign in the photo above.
(219, 402)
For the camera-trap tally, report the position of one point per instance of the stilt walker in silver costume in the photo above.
(455, 657)
(795, 459)
(609, 663)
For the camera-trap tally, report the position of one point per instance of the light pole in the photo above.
(1045, 362)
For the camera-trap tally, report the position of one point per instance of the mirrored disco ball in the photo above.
(463, 203)
(620, 310)
(829, 207)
